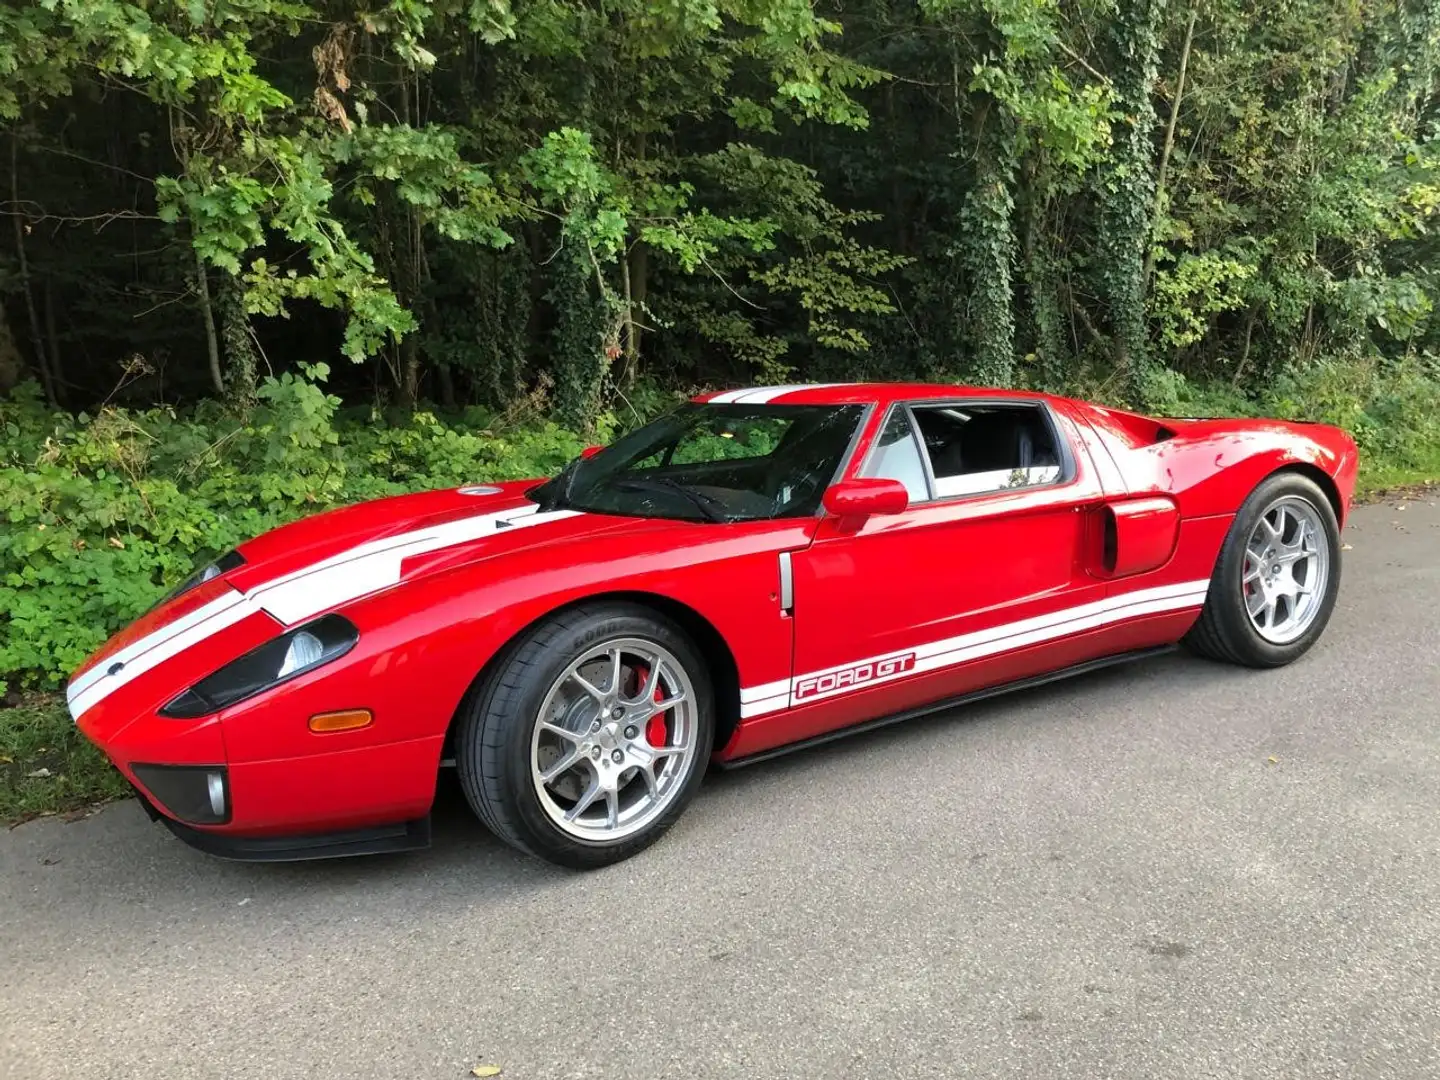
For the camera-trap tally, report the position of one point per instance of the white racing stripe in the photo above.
(950, 652)
(154, 655)
(155, 638)
(376, 565)
(294, 597)
(765, 690)
(767, 697)
(763, 395)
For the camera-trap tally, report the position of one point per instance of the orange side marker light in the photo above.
(348, 720)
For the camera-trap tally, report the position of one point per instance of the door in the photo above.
(982, 580)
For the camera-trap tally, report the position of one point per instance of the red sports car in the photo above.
(758, 570)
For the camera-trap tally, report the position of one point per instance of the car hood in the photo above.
(404, 530)
(319, 563)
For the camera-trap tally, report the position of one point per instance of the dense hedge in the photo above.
(104, 512)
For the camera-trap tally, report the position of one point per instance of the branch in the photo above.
(67, 219)
(1081, 61)
(92, 161)
(719, 278)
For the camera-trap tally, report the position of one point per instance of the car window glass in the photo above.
(896, 456)
(753, 437)
(714, 462)
(981, 448)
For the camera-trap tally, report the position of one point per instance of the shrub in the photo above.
(104, 513)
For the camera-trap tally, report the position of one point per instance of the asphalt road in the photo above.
(1174, 869)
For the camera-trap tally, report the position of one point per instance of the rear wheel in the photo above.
(591, 737)
(1275, 583)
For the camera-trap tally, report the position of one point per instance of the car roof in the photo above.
(856, 393)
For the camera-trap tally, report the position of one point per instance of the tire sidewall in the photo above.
(517, 717)
(1225, 586)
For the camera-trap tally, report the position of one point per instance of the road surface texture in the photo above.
(1173, 869)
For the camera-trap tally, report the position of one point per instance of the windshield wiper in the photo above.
(712, 508)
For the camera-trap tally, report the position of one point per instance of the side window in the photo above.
(896, 456)
(982, 448)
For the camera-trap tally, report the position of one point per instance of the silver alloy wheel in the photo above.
(1287, 566)
(615, 740)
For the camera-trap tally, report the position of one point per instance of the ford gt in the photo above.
(758, 570)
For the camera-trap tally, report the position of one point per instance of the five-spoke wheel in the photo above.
(614, 739)
(1277, 577)
(590, 736)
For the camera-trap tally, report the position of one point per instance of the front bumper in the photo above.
(410, 835)
(340, 799)
(254, 780)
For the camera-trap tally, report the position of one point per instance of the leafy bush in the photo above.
(1391, 408)
(104, 513)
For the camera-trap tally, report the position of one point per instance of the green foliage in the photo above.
(482, 201)
(1197, 288)
(1127, 186)
(103, 513)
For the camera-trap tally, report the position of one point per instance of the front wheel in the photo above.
(591, 737)
(1275, 583)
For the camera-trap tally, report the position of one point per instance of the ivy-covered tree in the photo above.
(602, 201)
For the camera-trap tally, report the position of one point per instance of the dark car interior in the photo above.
(986, 438)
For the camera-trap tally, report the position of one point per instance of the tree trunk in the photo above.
(1245, 352)
(10, 364)
(240, 356)
(635, 270)
(37, 338)
(1169, 147)
(447, 385)
(52, 343)
(1041, 291)
(207, 315)
(1127, 188)
(987, 244)
(409, 372)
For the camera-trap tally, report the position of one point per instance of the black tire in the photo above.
(497, 723)
(1224, 631)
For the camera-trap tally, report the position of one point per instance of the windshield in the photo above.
(713, 463)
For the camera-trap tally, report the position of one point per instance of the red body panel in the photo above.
(809, 721)
(1137, 535)
(888, 613)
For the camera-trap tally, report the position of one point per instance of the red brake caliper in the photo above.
(657, 731)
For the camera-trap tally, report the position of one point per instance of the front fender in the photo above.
(423, 642)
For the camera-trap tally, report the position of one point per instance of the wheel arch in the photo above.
(724, 671)
(1323, 480)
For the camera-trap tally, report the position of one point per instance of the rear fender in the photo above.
(1210, 467)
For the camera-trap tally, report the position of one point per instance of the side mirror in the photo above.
(591, 451)
(860, 498)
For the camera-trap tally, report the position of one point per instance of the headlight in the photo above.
(223, 565)
(279, 660)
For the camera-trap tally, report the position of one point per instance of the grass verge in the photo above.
(47, 766)
(1386, 480)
